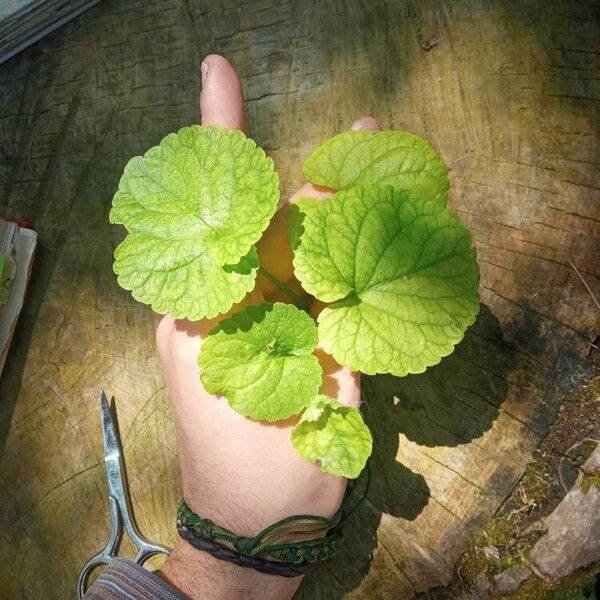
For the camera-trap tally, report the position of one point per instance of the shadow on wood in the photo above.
(455, 401)
(451, 403)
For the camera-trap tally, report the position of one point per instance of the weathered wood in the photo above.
(509, 96)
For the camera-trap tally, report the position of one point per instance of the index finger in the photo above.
(222, 97)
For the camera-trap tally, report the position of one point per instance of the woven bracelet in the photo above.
(315, 538)
(268, 552)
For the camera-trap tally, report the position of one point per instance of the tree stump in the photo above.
(508, 93)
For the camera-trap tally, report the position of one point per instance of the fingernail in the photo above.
(356, 125)
(204, 71)
(367, 123)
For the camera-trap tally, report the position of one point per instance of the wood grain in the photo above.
(510, 97)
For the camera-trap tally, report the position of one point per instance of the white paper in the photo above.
(18, 244)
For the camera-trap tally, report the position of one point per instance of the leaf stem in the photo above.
(298, 300)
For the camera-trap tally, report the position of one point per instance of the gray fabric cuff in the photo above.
(125, 580)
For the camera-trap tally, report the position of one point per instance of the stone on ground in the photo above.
(572, 540)
(509, 580)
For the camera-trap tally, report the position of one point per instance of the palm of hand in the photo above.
(244, 474)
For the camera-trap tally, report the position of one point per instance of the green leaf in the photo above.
(194, 206)
(397, 158)
(334, 435)
(261, 359)
(401, 274)
(180, 278)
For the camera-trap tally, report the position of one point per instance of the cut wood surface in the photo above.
(509, 96)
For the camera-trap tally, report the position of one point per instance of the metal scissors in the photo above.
(119, 505)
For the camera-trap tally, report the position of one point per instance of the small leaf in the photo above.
(335, 435)
(401, 274)
(261, 359)
(194, 206)
(397, 158)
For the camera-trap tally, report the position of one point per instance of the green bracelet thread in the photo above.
(270, 542)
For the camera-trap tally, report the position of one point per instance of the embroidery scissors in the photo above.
(119, 504)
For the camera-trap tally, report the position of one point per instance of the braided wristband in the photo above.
(268, 552)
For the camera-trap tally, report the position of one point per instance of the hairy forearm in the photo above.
(201, 576)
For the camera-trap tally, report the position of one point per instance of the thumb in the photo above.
(222, 97)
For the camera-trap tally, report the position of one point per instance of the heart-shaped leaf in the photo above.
(334, 435)
(261, 359)
(401, 274)
(194, 206)
(397, 158)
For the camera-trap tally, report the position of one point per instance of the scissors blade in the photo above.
(117, 485)
(112, 450)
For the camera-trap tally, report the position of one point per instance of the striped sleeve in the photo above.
(126, 580)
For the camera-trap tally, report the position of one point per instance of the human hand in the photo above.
(242, 474)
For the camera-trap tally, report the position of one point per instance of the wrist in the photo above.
(201, 576)
(249, 506)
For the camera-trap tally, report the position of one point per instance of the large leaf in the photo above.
(261, 359)
(397, 158)
(333, 435)
(401, 274)
(194, 206)
(181, 279)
